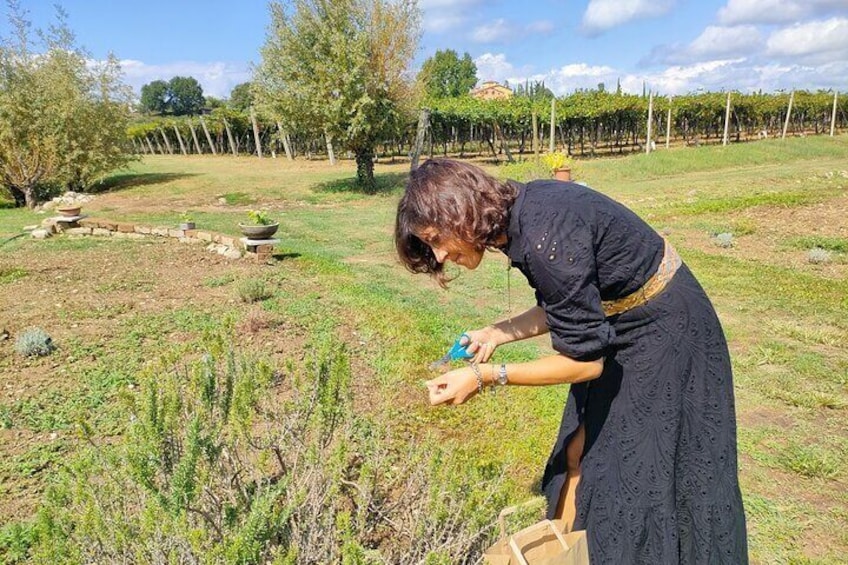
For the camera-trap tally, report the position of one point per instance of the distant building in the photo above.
(490, 90)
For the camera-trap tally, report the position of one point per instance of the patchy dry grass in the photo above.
(114, 306)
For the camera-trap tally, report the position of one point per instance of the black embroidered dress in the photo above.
(659, 474)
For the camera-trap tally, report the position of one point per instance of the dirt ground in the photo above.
(773, 227)
(85, 299)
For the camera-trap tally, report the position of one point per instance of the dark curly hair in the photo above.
(456, 199)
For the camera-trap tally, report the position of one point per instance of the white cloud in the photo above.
(602, 15)
(216, 78)
(680, 79)
(580, 75)
(440, 16)
(775, 11)
(761, 11)
(502, 31)
(738, 73)
(714, 42)
(821, 41)
(495, 67)
(493, 32)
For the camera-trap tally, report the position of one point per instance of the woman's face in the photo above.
(451, 248)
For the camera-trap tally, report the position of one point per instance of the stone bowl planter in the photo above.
(259, 231)
(187, 226)
(69, 211)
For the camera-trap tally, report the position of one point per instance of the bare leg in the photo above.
(567, 509)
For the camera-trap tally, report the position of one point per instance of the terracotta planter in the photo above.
(259, 231)
(563, 174)
(69, 211)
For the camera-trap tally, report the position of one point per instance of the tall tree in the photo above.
(445, 75)
(241, 97)
(154, 97)
(338, 67)
(63, 122)
(185, 96)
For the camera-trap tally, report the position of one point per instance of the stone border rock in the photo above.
(222, 244)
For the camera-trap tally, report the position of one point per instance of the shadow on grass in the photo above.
(284, 256)
(384, 183)
(123, 181)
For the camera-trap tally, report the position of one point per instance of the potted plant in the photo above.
(186, 221)
(260, 227)
(559, 164)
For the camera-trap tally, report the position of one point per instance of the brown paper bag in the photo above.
(543, 543)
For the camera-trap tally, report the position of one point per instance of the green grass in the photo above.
(10, 274)
(838, 244)
(336, 274)
(237, 199)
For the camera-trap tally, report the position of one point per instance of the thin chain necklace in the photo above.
(508, 292)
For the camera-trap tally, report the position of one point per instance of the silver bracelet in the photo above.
(476, 370)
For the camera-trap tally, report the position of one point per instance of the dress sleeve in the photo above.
(561, 260)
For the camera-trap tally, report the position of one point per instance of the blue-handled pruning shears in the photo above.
(458, 351)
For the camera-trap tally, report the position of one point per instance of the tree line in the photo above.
(586, 123)
(332, 78)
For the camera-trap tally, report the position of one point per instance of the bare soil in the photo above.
(773, 227)
(85, 299)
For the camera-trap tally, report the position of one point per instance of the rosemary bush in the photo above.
(818, 256)
(34, 342)
(253, 290)
(725, 240)
(232, 461)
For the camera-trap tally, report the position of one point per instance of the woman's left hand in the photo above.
(455, 387)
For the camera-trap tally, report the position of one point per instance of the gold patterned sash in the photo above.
(668, 266)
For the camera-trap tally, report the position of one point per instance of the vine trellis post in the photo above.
(726, 120)
(552, 141)
(650, 122)
(833, 114)
(788, 115)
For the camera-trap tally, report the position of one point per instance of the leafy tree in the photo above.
(179, 96)
(211, 102)
(154, 97)
(185, 96)
(445, 75)
(241, 97)
(338, 68)
(62, 122)
(536, 91)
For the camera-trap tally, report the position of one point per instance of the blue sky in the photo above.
(672, 46)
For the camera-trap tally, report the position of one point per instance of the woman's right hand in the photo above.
(482, 343)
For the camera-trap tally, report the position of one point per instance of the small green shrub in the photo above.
(524, 171)
(5, 418)
(259, 218)
(223, 280)
(809, 461)
(254, 290)
(744, 226)
(818, 256)
(15, 541)
(34, 342)
(724, 240)
(229, 460)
